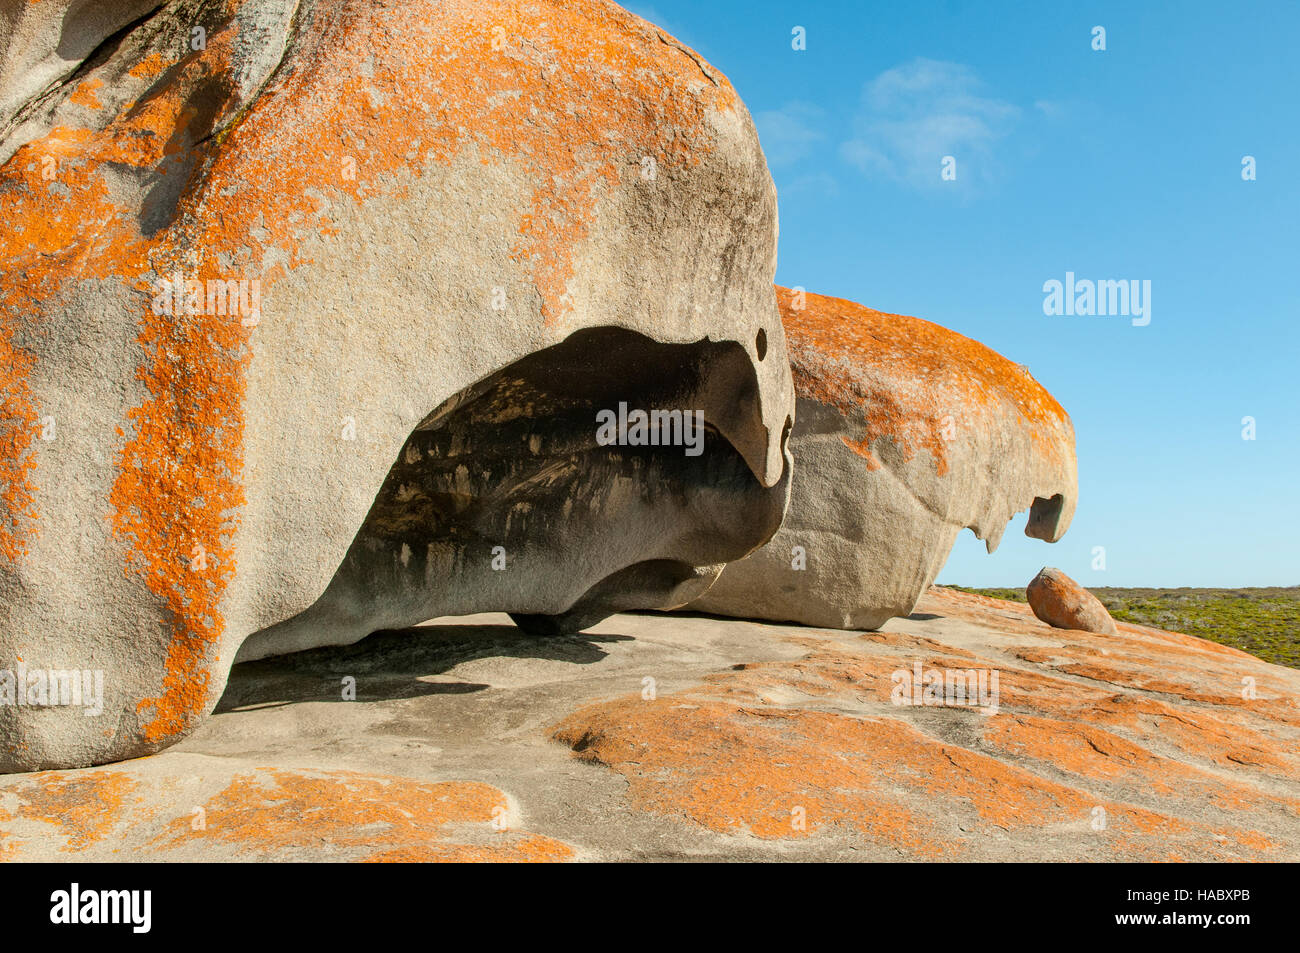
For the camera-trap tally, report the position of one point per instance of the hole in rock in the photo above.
(1044, 516)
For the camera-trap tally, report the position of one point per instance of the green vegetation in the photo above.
(1264, 622)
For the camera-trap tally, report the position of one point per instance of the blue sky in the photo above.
(1122, 164)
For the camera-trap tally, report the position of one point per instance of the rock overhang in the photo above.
(906, 433)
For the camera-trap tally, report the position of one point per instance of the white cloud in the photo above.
(915, 114)
(789, 134)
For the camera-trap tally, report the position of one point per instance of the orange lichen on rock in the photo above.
(785, 772)
(47, 241)
(1139, 657)
(179, 470)
(770, 773)
(872, 675)
(821, 740)
(84, 94)
(85, 806)
(179, 484)
(373, 818)
(1213, 737)
(510, 849)
(576, 94)
(271, 813)
(903, 376)
(1097, 754)
(17, 458)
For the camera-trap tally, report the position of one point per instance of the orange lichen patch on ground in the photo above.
(1198, 734)
(1132, 660)
(1028, 689)
(787, 772)
(86, 806)
(824, 734)
(903, 376)
(1137, 834)
(1128, 675)
(1091, 752)
(875, 675)
(1168, 647)
(826, 672)
(1018, 687)
(1079, 749)
(84, 94)
(911, 643)
(374, 817)
(1212, 722)
(733, 768)
(772, 773)
(955, 600)
(1138, 657)
(1194, 680)
(510, 848)
(817, 675)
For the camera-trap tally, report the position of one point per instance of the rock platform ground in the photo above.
(469, 740)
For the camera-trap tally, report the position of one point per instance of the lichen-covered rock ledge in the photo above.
(905, 434)
(303, 329)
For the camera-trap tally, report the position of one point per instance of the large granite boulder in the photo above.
(905, 434)
(308, 312)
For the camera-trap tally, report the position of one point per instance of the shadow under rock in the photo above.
(390, 663)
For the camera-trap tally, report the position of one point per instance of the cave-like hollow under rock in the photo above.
(503, 499)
